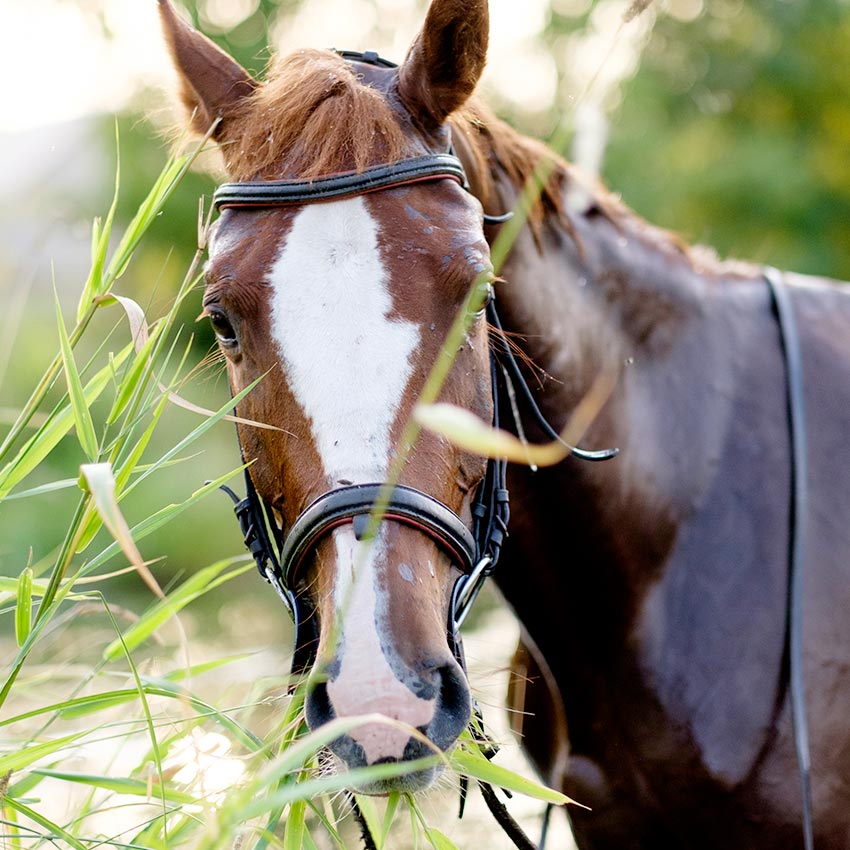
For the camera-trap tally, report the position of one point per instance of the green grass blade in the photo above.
(49, 606)
(131, 463)
(145, 215)
(195, 586)
(157, 520)
(82, 414)
(435, 838)
(118, 784)
(333, 783)
(50, 487)
(474, 765)
(100, 244)
(136, 375)
(26, 756)
(293, 833)
(389, 815)
(48, 436)
(151, 727)
(77, 707)
(23, 608)
(196, 432)
(53, 829)
(101, 484)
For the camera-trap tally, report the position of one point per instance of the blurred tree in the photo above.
(735, 131)
(241, 27)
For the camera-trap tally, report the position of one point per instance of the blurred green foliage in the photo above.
(735, 132)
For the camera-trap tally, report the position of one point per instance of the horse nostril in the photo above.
(317, 705)
(453, 707)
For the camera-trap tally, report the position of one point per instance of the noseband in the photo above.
(475, 552)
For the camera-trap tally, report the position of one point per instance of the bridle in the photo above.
(279, 554)
(475, 552)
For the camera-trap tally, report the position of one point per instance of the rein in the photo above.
(792, 657)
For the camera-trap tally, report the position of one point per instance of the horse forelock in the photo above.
(313, 116)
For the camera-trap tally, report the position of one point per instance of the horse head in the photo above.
(339, 304)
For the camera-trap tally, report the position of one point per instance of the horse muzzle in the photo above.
(424, 714)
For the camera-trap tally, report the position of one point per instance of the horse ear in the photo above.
(212, 84)
(445, 61)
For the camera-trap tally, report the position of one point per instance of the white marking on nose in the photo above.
(346, 359)
(365, 682)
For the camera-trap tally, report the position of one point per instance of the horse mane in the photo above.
(497, 147)
(314, 115)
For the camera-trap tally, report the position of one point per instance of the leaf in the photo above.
(119, 785)
(139, 331)
(33, 452)
(145, 215)
(53, 829)
(82, 414)
(474, 765)
(50, 487)
(94, 285)
(135, 375)
(195, 586)
(19, 759)
(438, 840)
(101, 485)
(23, 608)
(78, 707)
(469, 432)
(293, 833)
(157, 520)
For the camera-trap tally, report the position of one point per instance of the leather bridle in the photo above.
(474, 552)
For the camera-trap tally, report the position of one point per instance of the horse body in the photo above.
(652, 589)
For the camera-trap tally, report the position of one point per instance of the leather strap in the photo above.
(798, 510)
(519, 382)
(273, 193)
(354, 504)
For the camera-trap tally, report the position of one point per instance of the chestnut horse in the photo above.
(652, 588)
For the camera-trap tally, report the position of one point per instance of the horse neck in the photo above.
(588, 288)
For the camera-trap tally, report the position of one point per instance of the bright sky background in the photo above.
(56, 64)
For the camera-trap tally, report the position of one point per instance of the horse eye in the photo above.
(222, 328)
(488, 297)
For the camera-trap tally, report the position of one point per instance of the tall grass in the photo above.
(170, 769)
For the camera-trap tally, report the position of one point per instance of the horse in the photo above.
(651, 679)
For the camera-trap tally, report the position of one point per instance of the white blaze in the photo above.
(346, 360)
(347, 363)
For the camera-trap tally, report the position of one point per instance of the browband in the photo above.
(271, 193)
